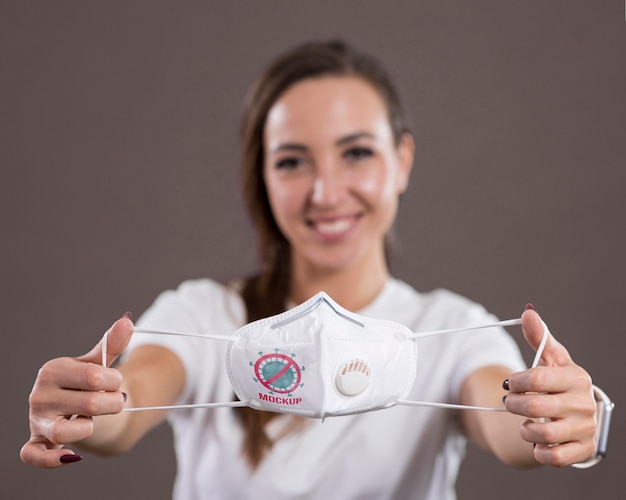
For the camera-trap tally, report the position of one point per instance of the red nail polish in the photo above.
(128, 315)
(70, 459)
(531, 307)
(125, 396)
(504, 399)
(505, 385)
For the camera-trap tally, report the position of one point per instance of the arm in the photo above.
(498, 433)
(557, 394)
(82, 386)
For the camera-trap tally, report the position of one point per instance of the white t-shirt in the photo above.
(399, 452)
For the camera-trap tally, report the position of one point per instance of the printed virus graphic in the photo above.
(278, 373)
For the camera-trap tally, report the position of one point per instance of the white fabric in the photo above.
(394, 453)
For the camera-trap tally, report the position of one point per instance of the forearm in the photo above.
(116, 434)
(109, 435)
(496, 432)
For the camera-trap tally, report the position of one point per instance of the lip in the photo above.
(333, 229)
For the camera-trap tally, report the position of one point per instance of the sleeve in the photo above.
(188, 309)
(486, 347)
(464, 352)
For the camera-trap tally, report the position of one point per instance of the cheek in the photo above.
(379, 184)
(370, 185)
(284, 197)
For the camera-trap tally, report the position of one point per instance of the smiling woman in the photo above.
(326, 154)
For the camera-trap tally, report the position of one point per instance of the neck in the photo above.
(352, 288)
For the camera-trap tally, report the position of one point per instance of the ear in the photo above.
(406, 155)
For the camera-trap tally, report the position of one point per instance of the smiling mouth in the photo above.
(333, 227)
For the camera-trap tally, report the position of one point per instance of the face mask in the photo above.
(319, 359)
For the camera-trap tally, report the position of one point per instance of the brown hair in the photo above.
(265, 293)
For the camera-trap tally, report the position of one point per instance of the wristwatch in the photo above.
(604, 410)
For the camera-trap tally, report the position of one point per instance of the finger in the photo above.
(61, 403)
(538, 405)
(560, 431)
(64, 430)
(549, 379)
(117, 337)
(554, 353)
(68, 373)
(36, 453)
(562, 455)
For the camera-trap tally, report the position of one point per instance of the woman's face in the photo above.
(333, 172)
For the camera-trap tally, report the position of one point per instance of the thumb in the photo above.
(554, 353)
(116, 338)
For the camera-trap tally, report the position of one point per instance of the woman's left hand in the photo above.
(558, 395)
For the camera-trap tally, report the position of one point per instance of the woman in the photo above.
(327, 154)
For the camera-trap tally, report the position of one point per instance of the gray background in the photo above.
(119, 178)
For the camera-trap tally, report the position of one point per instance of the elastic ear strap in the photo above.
(508, 322)
(103, 344)
(538, 354)
(227, 338)
(542, 345)
(430, 404)
(229, 404)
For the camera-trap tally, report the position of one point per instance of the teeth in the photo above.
(334, 227)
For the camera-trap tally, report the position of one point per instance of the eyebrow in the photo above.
(354, 137)
(290, 146)
(293, 146)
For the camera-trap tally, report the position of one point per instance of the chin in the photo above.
(337, 261)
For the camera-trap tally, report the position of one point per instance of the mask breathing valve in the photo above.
(353, 377)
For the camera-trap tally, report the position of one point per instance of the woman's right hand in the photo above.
(67, 393)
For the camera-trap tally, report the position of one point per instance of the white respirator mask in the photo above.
(319, 360)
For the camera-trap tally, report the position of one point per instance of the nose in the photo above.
(327, 187)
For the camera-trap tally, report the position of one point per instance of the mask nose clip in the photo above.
(322, 299)
(353, 377)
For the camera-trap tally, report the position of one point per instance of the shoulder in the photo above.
(198, 301)
(437, 308)
(455, 307)
(203, 291)
(199, 289)
(400, 291)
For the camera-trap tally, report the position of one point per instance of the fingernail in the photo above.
(504, 399)
(125, 396)
(534, 445)
(531, 307)
(128, 315)
(70, 459)
(505, 385)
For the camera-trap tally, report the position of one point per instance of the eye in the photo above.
(359, 153)
(289, 163)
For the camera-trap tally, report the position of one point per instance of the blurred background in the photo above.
(119, 179)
